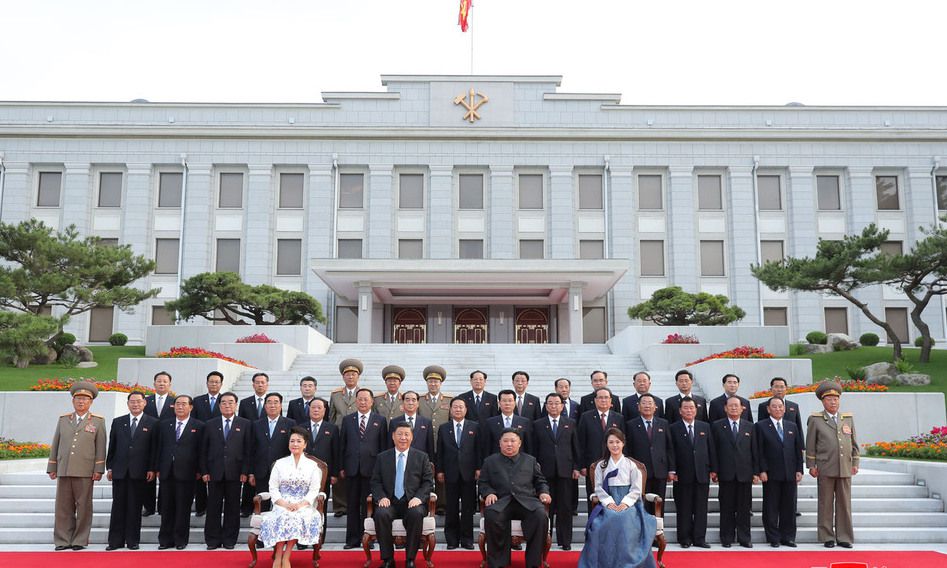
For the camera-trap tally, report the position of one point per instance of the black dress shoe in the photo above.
(200, 513)
(467, 546)
(702, 544)
(110, 548)
(451, 547)
(213, 546)
(387, 564)
(180, 547)
(830, 544)
(566, 547)
(245, 514)
(746, 544)
(132, 547)
(726, 544)
(62, 547)
(789, 543)
(147, 513)
(844, 544)
(349, 546)
(78, 547)
(301, 546)
(338, 514)
(164, 546)
(774, 544)
(685, 545)
(407, 564)
(229, 546)
(517, 546)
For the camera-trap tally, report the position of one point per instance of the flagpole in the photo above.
(471, 49)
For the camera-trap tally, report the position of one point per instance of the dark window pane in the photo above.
(161, 316)
(591, 249)
(775, 316)
(531, 191)
(532, 248)
(652, 258)
(351, 187)
(228, 255)
(231, 191)
(471, 191)
(887, 189)
(166, 256)
(350, 248)
(942, 193)
(471, 248)
(711, 258)
(828, 188)
(709, 193)
(291, 191)
(110, 189)
(836, 320)
(649, 192)
(590, 191)
(50, 186)
(100, 323)
(771, 251)
(410, 248)
(289, 257)
(411, 191)
(169, 189)
(768, 190)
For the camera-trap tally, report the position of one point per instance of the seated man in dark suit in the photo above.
(509, 484)
(401, 484)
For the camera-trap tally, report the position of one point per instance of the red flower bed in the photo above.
(931, 446)
(680, 338)
(13, 450)
(256, 338)
(60, 385)
(198, 353)
(742, 352)
(847, 386)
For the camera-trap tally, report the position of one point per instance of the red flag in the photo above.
(465, 6)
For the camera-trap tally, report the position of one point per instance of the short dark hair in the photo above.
(310, 379)
(260, 374)
(228, 393)
(683, 372)
(401, 425)
(478, 371)
(510, 392)
(592, 374)
(647, 394)
(133, 393)
(299, 430)
(214, 374)
(458, 399)
(159, 373)
(190, 401)
(415, 393)
(606, 389)
(325, 403)
(556, 395)
(366, 389)
(770, 401)
(512, 431)
(276, 394)
(774, 379)
(688, 399)
(727, 376)
(524, 373)
(729, 398)
(645, 373)
(555, 383)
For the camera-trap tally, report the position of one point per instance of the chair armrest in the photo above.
(258, 502)
(594, 500)
(431, 504)
(370, 505)
(658, 503)
(482, 505)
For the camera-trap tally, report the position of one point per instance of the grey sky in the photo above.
(837, 52)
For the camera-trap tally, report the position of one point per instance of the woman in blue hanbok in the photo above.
(294, 485)
(619, 532)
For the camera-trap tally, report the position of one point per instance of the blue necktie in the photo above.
(227, 429)
(555, 428)
(177, 431)
(399, 477)
(779, 430)
(458, 434)
(272, 425)
(213, 403)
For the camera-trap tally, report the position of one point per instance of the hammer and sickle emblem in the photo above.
(470, 102)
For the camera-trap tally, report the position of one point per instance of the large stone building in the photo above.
(479, 208)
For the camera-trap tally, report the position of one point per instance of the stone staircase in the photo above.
(888, 508)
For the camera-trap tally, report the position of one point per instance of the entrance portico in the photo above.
(469, 301)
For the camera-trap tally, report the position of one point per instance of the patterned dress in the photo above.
(293, 482)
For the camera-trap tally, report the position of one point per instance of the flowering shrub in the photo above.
(675, 338)
(59, 385)
(847, 386)
(930, 446)
(13, 450)
(742, 352)
(198, 353)
(256, 338)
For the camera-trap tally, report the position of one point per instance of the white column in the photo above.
(562, 209)
(366, 301)
(682, 232)
(380, 207)
(76, 202)
(501, 232)
(440, 221)
(574, 310)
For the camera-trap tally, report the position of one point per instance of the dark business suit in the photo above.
(656, 453)
(780, 460)
(203, 411)
(592, 443)
(459, 465)
(792, 413)
(131, 455)
(250, 410)
(672, 408)
(629, 407)
(178, 466)
(298, 410)
(149, 497)
(493, 429)
(423, 433)
(516, 482)
(418, 481)
(558, 457)
(489, 407)
(694, 462)
(225, 460)
(571, 410)
(531, 407)
(736, 465)
(716, 409)
(587, 403)
(358, 456)
(324, 445)
(267, 449)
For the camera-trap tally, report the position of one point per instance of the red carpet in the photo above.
(443, 559)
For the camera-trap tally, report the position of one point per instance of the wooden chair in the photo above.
(398, 532)
(658, 501)
(516, 534)
(257, 519)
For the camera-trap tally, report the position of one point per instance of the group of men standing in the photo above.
(209, 449)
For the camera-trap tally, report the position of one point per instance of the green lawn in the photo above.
(107, 357)
(827, 365)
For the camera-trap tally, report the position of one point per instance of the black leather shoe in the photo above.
(301, 546)
(726, 545)
(245, 514)
(110, 548)
(349, 546)
(78, 547)
(746, 544)
(388, 564)
(467, 546)
(830, 544)
(566, 547)
(180, 547)
(789, 543)
(200, 513)
(774, 544)
(338, 514)
(844, 544)
(685, 545)
(517, 547)
(407, 564)
(132, 547)
(229, 546)
(451, 547)
(62, 547)
(702, 544)
(164, 546)
(213, 546)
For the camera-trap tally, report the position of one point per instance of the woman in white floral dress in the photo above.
(294, 485)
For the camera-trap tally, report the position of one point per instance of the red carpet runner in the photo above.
(442, 559)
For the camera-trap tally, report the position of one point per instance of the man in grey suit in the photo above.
(509, 484)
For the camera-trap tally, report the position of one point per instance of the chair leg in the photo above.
(431, 542)
(366, 546)
(662, 544)
(546, 548)
(482, 542)
(315, 554)
(251, 544)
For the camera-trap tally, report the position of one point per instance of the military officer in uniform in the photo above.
(832, 458)
(76, 461)
(388, 403)
(435, 406)
(341, 404)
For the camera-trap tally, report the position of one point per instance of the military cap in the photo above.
(350, 365)
(84, 388)
(392, 371)
(435, 372)
(827, 388)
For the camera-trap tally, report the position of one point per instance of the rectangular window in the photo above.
(228, 255)
(592, 249)
(771, 251)
(471, 248)
(886, 187)
(768, 193)
(652, 258)
(50, 187)
(532, 248)
(836, 320)
(829, 195)
(291, 191)
(411, 191)
(892, 248)
(351, 191)
(775, 316)
(109, 242)
(166, 256)
(231, 191)
(410, 248)
(709, 193)
(531, 191)
(289, 253)
(100, 323)
(942, 193)
(590, 191)
(110, 189)
(649, 192)
(593, 325)
(471, 191)
(711, 258)
(350, 248)
(170, 185)
(161, 316)
(897, 318)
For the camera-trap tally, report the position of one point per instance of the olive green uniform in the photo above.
(832, 449)
(77, 452)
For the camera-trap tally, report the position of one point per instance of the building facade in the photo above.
(480, 208)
